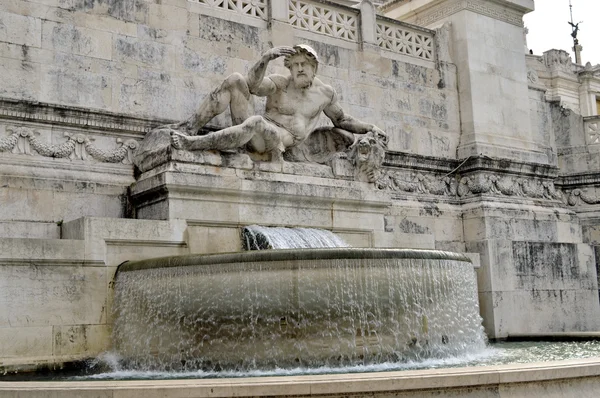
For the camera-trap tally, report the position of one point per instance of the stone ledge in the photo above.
(24, 110)
(577, 376)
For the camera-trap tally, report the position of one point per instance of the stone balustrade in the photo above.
(591, 126)
(358, 25)
(253, 8)
(405, 39)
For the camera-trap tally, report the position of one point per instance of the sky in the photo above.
(548, 27)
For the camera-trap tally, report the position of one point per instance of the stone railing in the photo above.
(324, 18)
(358, 25)
(404, 39)
(253, 8)
(591, 126)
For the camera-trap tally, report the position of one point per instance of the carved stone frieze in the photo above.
(558, 60)
(27, 111)
(577, 196)
(487, 8)
(476, 184)
(24, 140)
(508, 186)
(418, 183)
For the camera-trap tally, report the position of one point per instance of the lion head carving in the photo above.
(367, 155)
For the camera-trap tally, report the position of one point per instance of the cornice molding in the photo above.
(487, 8)
(29, 111)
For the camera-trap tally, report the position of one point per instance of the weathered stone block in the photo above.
(544, 311)
(19, 79)
(80, 340)
(167, 16)
(77, 40)
(403, 240)
(25, 342)
(214, 239)
(20, 29)
(143, 52)
(43, 294)
(76, 87)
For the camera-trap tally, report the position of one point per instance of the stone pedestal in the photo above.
(217, 201)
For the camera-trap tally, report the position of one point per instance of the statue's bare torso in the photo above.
(295, 112)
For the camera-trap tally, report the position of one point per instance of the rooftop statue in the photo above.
(293, 107)
(575, 29)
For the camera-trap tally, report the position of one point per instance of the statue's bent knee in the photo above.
(236, 81)
(255, 121)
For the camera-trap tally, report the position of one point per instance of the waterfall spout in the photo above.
(255, 237)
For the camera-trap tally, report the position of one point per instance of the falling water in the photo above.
(297, 311)
(255, 237)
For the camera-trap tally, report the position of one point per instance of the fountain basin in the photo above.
(289, 308)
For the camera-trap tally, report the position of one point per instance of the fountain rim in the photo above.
(445, 381)
(274, 255)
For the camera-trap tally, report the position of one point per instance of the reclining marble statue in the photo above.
(293, 107)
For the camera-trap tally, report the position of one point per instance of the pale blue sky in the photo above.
(548, 27)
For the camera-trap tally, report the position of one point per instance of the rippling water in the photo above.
(494, 354)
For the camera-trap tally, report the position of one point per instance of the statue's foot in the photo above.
(183, 128)
(179, 141)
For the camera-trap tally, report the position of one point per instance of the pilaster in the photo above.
(487, 48)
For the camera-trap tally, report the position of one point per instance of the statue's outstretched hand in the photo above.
(281, 51)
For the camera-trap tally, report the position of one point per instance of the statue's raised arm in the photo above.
(257, 84)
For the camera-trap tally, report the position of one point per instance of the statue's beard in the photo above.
(303, 81)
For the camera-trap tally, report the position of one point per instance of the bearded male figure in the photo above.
(294, 104)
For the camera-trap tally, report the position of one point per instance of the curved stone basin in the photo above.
(289, 308)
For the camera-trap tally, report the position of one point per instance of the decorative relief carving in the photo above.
(477, 184)
(9, 142)
(23, 140)
(319, 18)
(486, 8)
(495, 11)
(367, 155)
(558, 60)
(507, 186)
(576, 196)
(592, 132)
(253, 8)
(418, 183)
(406, 41)
(532, 77)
